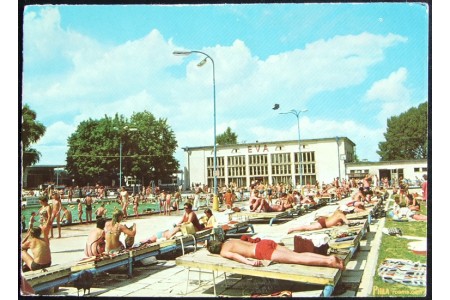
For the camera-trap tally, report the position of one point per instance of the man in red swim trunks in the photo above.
(241, 251)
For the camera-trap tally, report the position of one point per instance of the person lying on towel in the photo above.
(336, 219)
(241, 251)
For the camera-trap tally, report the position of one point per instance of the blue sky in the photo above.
(351, 65)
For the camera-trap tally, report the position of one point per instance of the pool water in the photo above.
(110, 205)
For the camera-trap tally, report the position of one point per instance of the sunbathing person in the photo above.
(395, 208)
(308, 200)
(95, 244)
(211, 219)
(241, 251)
(359, 195)
(262, 205)
(113, 229)
(405, 213)
(188, 217)
(336, 219)
(413, 204)
(254, 197)
(41, 251)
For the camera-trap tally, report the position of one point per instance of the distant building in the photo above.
(412, 170)
(269, 162)
(38, 175)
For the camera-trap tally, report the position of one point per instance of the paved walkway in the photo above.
(164, 278)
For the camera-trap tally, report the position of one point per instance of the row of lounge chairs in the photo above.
(325, 277)
(59, 275)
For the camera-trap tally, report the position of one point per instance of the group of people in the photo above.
(189, 218)
(105, 238)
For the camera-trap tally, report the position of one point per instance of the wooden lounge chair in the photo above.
(272, 216)
(203, 260)
(48, 278)
(336, 242)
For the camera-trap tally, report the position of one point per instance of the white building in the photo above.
(270, 162)
(412, 170)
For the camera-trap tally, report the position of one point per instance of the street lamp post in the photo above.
(125, 128)
(297, 114)
(201, 63)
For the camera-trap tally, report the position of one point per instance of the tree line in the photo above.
(145, 145)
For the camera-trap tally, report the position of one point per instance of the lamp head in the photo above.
(202, 62)
(181, 53)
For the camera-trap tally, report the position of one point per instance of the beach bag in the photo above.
(188, 228)
(218, 234)
(302, 244)
(84, 281)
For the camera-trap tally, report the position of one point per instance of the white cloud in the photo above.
(53, 144)
(392, 94)
(142, 74)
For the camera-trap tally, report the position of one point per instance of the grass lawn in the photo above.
(397, 248)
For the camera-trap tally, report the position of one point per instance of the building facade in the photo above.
(270, 162)
(412, 170)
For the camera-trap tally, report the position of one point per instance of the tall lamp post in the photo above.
(201, 63)
(125, 128)
(297, 114)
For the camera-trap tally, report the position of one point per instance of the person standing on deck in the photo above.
(80, 211)
(124, 198)
(88, 201)
(56, 213)
(136, 205)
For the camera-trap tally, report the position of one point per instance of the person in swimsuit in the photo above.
(211, 219)
(124, 198)
(80, 211)
(168, 203)
(162, 202)
(241, 251)
(56, 212)
(44, 213)
(40, 249)
(101, 211)
(336, 219)
(113, 229)
(88, 201)
(66, 218)
(136, 205)
(188, 217)
(32, 220)
(95, 244)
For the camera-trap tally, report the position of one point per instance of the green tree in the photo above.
(148, 146)
(31, 131)
(227, 138)
(406, 135)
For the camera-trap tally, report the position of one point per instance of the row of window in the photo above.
(261, 159)
(242, 181)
